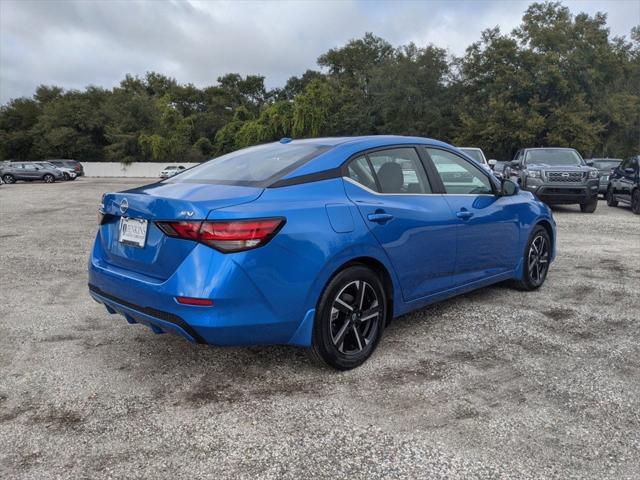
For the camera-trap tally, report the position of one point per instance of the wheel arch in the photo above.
(382, 271)
(544, 223)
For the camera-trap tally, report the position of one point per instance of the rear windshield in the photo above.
(553, 156)
(253, 166)
(475, 154)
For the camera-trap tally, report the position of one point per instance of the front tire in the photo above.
(48, 178)
(536, 260)
(635, 202)
(589, 207)
(611, 201)
(350, 318)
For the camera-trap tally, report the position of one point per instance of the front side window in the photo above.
(399, 170)
(458, 175)
(253, 166)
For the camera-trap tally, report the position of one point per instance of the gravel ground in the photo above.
(494, 384)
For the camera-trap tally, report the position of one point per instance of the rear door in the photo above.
(30, 171)
(488, 225)
(413, 225)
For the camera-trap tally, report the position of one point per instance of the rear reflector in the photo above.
(225, 235)
(201, 302)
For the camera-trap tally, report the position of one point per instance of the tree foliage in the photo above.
(557, 80)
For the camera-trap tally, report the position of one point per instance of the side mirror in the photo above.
(508, 188)
(492, 163)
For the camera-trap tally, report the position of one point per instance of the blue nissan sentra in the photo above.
(317, 243)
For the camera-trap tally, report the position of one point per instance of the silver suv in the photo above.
(558, 176)
(29, 172)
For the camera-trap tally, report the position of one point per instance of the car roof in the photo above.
(342, 148)
(470, 148)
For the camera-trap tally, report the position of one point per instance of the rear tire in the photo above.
(611, 201)
(536, 259)
(589, 207)
(350, 318)
(635, 201)
(8, 178)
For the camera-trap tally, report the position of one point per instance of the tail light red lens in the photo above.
(226, 235)
(198, 302)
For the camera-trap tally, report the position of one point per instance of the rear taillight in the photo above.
(78, 168)
(225, 235)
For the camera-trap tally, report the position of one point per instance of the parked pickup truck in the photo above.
(557, 176)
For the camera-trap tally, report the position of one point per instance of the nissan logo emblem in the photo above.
(565, 174)
(124, 206)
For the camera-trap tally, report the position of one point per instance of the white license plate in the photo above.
(133, 231)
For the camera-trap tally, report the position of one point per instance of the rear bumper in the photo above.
(241, 313)
(158, 320)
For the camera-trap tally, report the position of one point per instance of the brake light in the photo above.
(226, 236)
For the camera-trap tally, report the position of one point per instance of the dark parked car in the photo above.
(29, 172)
(557, 176)
(624, 184)
(76, 165)
(604, 166)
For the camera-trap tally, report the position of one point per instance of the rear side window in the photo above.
(399, 170)
(458, 175)
(253, 166)
(360, 171)
(396, 170)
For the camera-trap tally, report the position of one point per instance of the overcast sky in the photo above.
(77, 43)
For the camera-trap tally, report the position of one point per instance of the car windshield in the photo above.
(554, 156)
(475, 154)
(253, 166)
(606, 164)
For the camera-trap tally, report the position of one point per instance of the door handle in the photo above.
(464, 214)
(379, 217)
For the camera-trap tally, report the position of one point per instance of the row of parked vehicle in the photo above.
(560, 176)
(47, 171)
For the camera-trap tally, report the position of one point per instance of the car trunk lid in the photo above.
(161, 255)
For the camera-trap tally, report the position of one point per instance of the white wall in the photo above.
(136, 169)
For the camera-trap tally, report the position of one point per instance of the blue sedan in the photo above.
(318, 243)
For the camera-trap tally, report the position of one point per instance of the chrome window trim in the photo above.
(366, 189)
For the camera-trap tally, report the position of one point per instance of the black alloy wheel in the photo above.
(350, 318)
(537, 256)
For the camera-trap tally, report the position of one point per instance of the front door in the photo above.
(488, 230)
